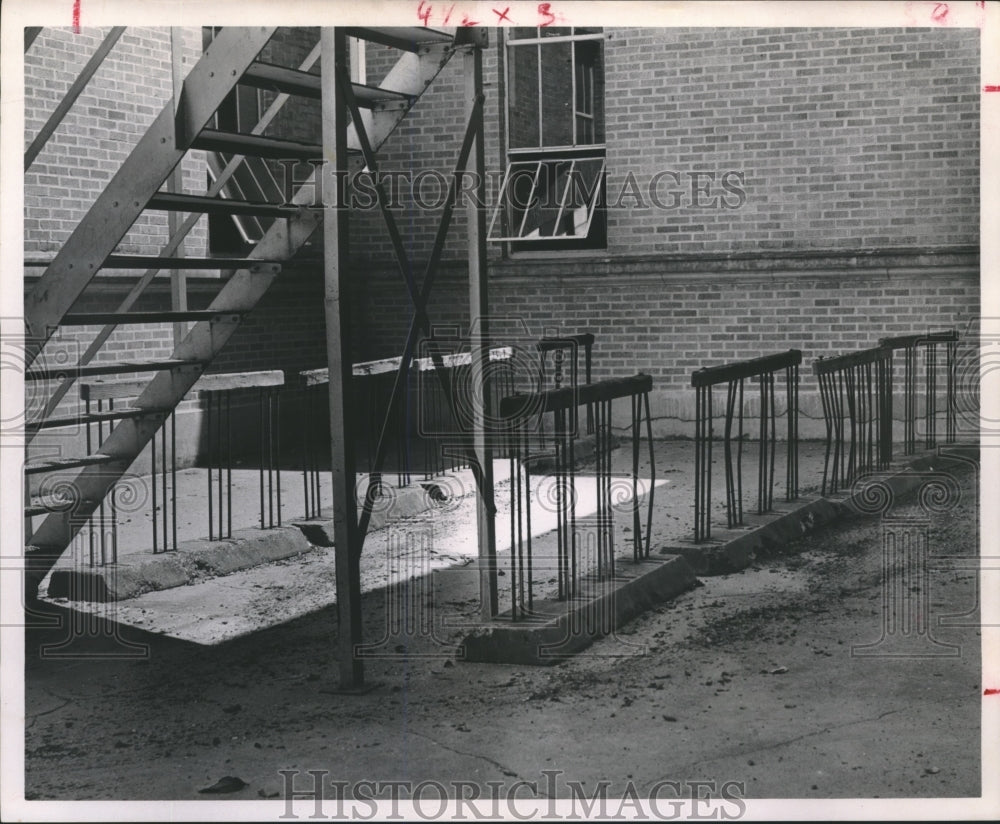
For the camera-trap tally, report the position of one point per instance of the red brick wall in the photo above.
(666, 321)
(858, 154)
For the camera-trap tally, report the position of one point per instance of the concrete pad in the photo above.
(138, 572)
(448, 498)
(220, 608)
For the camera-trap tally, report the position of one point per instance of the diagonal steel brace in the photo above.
(420, 321)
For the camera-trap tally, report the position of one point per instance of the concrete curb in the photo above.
(577, 625)
(560, 629)
(193, 561)
(734, 549)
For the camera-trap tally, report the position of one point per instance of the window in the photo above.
(552, 193)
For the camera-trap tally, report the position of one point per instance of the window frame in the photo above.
(583, 110)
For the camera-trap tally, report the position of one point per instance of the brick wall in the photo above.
(668, 319)
(125, 95)
(839, 138)
(427, 143)
(860, 138)
(858, 155)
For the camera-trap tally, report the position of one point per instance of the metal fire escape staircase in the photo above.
(186, 123)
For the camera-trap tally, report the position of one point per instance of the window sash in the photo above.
(565, 38)
(528, 232)
(539, 98)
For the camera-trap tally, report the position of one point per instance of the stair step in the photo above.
(283, 79)
(125, 318)
(156, 262)
(56, 464)
(372, 97)
(212, 140)
(171, 202)
(411, 38)
(94, 417)
(39, 509)
(292, 81)
(115, 368)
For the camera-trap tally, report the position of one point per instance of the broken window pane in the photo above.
(551, 193)
(549, 199)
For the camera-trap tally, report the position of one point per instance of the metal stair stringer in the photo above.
(110, 218)
(165, 390)
(407, 80)
(410, 75)
(144, 171)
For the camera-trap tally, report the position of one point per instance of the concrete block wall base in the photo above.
(730, 550)
(560, 629)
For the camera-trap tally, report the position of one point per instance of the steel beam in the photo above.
(175, 184)
(336, 302)
(420, 323)
(30, 33)
(480, 339)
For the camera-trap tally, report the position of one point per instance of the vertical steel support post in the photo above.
(480, 338)
(335, 240)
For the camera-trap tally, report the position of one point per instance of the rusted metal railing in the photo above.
(585, 547)
(912, 346)
(106, 402)
(435, 424)
(856, 392)
(734, 375)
